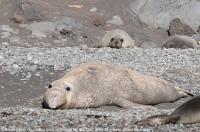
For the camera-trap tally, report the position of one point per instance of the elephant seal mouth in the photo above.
(46, 106)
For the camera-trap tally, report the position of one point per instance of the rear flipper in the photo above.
(183, 92)
(159, 119)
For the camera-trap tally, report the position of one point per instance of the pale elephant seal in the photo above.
(116, 39)
(98, 84)
(180, 42)
(189, 112)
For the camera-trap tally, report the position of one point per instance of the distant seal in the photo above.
(189, 112)
(116, 39)
(180, 41)
(98, 84)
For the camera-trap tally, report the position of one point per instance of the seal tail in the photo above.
(159, 119)
(184, 92)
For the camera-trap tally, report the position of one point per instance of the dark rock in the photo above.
(98, 22)
(69, 33)
(17, 19)
(176, 27)
(198, 30)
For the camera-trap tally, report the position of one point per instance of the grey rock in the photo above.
(43, 27)
(7, 28)
(176, 27)
(28, 10)
(66, 22)
(160, 13)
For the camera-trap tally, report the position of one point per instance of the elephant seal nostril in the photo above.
(45, 105)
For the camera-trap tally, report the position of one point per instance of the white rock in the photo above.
(5, 43)
(7, 28)
(116, 20)
(5, 34)
(38, 34)
(94, 9)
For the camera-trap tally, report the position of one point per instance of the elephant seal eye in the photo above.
(68, 88)
(50, 86)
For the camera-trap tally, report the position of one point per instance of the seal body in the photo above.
(189, 112)
(180, 41)
(117, 39)
(97, 84)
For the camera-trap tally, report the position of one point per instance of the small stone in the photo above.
(5, 34)
(98, 22)
(19, 89)
(28, 75)
(14, 39)
(94, 9)
(32, 68)
(6, 13)
(1, 57)
(38, 34)
(37, 74)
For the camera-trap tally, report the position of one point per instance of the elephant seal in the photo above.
(98, 84)
(116, 39)
(189, 112)
(180, 41)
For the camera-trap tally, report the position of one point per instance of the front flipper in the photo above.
(159, 119)
(127, 104)
(183, 92)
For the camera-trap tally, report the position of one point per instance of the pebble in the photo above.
(94, 9)
(38, 34)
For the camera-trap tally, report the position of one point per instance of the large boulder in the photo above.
(159, 13)
(176, 27)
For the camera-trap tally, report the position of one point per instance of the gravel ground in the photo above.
(24, 64)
